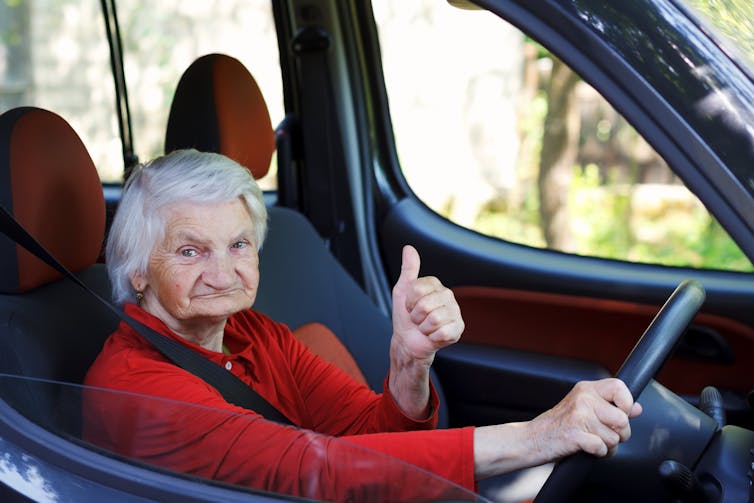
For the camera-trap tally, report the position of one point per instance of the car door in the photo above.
(540, 318)
(541, 314)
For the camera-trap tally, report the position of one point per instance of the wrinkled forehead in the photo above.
(207, 221)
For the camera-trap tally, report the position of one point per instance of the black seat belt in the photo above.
(230, 387)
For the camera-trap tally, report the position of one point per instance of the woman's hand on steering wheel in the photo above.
(641, 365)
(593, 417)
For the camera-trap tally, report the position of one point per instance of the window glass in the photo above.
(161, 39)
(54, 55)
(499, 136)
(202, 443)
(733, 21)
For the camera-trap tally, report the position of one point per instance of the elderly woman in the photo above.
(183, 259)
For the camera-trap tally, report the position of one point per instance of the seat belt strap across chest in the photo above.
(233, 389)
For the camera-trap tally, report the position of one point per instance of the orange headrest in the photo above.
(49, 184)
(218, 107)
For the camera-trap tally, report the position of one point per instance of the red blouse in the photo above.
(211, 438)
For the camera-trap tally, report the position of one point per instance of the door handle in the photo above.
(705, 344)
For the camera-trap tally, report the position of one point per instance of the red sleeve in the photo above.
(211, 438)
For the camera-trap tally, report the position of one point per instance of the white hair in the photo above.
(183, 176)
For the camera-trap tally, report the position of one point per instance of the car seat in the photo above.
(49, 329)
(218, 107)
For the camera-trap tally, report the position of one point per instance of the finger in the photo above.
(625, 433)
(592, 444)
(446, 334)
(615, 391)
(430, 298)
(636, 410)
(606, 435)
(611, 416)
(420, 289)
(410, 264)
(443, 324)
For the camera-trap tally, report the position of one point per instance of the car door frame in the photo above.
(462, 258)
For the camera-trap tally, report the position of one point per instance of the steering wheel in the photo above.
(641, 365)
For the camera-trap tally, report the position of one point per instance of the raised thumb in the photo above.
(410, 264)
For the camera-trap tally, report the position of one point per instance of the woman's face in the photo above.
(205, 269)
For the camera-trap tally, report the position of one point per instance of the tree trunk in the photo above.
(558, 156)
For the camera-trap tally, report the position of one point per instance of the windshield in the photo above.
(147, 430)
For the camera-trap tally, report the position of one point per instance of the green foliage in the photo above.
(598, 216)
(519, 225)
(611, 221)
(733, 19)
(611, 213)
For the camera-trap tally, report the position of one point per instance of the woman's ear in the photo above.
(138, 281)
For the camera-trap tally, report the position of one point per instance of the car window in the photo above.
(54, 55)
(499, 136)
(161, 39)
(152, 431)
(732, 21)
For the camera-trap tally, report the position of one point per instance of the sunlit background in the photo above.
(492, 131)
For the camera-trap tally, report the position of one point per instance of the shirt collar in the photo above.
(239, 346)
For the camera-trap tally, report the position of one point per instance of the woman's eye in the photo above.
(189, 252)
(240, 244)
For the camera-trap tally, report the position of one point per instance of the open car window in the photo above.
(157, 434)
(160, 42)
(498, 135)
(55, 55)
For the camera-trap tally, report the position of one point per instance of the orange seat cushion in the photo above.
(323, 342)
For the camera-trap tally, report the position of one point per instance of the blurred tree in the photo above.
(15, 54)
(560, 141)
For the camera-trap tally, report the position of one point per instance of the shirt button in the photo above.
(228, 365)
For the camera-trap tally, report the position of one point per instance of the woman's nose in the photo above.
(220, 271)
